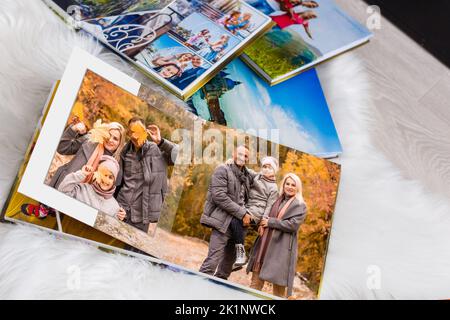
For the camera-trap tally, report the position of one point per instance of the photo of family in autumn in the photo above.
(262, 225)
(261, 220)
(238, 197)
(112, 157)
(116, 170)
(120, 170)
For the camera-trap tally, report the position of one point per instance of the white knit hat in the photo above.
(271, 161)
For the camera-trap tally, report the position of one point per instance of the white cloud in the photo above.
(291, 132)
(263, 94)
(255, 109)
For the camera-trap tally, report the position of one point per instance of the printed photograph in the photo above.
(173, 61)
(215, 200)
(263, 225)
(304, 32)
(224, 216)
(242, 21)
(304, 122)
(23, 209)
(116, 156)
(205, 37)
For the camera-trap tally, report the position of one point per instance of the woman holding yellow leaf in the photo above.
(87, 148)
(103, 138)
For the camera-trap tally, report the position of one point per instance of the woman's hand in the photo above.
(154, 133)
(121, 215)
(264, 222)
(86, 170)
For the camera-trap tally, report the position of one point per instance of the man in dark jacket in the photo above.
(227, 195)
(144, 174)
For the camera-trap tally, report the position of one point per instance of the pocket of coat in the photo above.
(158, 164)
(291, 243)
(218, 214)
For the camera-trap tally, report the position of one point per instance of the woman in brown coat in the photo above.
(274, 254)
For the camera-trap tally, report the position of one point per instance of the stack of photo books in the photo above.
(182, 44)
(222, 175)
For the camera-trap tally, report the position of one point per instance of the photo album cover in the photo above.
(306, 33)
(118, 163)
(181, 44)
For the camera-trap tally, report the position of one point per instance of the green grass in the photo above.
(280, 52)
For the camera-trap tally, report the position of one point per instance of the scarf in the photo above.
(277, 213)
(244, 178)
(263, 177)
(105, 194)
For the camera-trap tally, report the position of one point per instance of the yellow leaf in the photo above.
(138, 132)
(99, 133)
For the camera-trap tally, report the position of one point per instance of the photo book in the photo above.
(124, 166)
(296, 109)
(306, 33)
(180, 44)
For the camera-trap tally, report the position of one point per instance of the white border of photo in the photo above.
(32, 184)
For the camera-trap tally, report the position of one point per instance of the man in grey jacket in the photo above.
(144, 174)
(226, 197)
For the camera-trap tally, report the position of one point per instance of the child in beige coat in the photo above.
(263, 194)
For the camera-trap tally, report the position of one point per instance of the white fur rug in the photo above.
(389, 240)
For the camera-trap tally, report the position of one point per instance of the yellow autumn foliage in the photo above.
(100, 99)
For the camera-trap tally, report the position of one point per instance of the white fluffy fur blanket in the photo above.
(389, 240)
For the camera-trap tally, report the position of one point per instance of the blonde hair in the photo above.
(298, 185)
(121, 129)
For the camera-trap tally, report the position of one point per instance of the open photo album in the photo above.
(124, 166)
(181, 44)
(306, 33)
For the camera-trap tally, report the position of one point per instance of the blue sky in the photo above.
(297, 107)
(165, 42)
